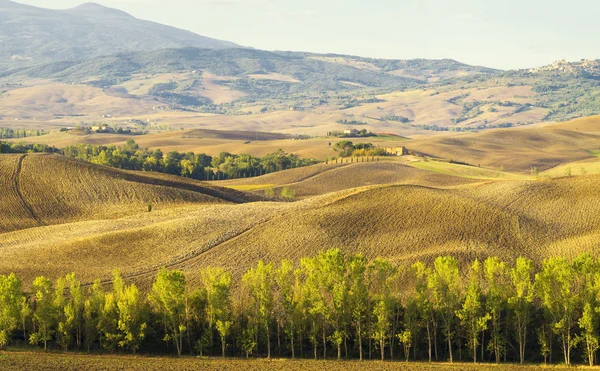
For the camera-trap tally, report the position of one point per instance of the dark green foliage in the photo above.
(189, 165)
(346, 148)
(8, 147)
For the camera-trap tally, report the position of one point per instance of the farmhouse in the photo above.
(396, 151)
(351, 131)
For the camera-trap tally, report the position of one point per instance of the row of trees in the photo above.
(197, 166)
(7, 133)
(488, 311)
(9, 147)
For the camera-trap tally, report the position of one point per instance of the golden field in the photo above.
(64, 215)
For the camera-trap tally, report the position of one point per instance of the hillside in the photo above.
(41, 190)
(99, 221)
(518, 149)
(31, 35)
(322, 179)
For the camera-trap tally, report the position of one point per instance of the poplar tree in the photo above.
(92, 309)
(217, 285)
(168, 300)
(587, 277)
(424, 304)
(521, 301)
(555, 287)
(326, 288)
(108, 323)
(11, 296)
(444, 283)
(358, 296)
(496, 296)
(288, 288)
(259, 282)
(381, 272)
(44, 312)
(76, 300)
(472, 314)
(132, 318)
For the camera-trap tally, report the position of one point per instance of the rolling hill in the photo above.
(40, 190)
(98, 221)
(31, 35)
(518, 149)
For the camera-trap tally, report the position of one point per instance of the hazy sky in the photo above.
(495, 33)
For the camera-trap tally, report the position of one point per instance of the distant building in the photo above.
(351, 131)
(396, 151)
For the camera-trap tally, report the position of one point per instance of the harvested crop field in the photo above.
(415, 214)
(321, 179)
(40, 190)
(51, 361)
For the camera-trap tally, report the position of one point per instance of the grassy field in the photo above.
(52, 361)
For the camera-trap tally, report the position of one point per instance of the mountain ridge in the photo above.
(31, 35)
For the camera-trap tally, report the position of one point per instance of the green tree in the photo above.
(247, 341)
(44, 312)
(444, 283)
(132, 318)
(217, 286)
(555, 288)
(473, 315)
(11, 296)
(92, 309)
(288, 287)
(587, 324)
(406, 338)
(108, 322)
(586, 270)
(288, 193)
(381, 273)
(424, 305)
(358, 296)
(496, 294)
(521, 301)
(326, 290)
(259, 282)
(168, 301)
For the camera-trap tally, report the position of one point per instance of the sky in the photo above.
(504, 34)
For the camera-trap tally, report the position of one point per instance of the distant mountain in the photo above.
(31, 35)
(257, 73)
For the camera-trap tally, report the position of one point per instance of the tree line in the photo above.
(329, 305)
(190, 165)
(7, 133)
